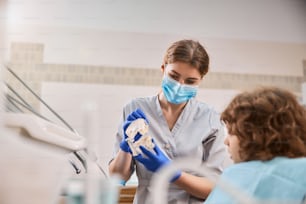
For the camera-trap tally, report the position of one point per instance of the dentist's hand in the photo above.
(153, 161)
(124, 146)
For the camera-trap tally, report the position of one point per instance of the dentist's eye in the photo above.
(175, 77)
(190, 82)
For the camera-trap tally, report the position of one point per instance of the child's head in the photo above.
(265, 123)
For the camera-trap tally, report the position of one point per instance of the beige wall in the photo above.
(68, 45)
(27, 60)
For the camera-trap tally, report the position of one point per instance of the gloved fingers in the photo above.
(125, 147)
(149, 154)
(157, 149)
(137, 114)
(141, 159)
(140, 114)
(131, 117)
(126, 125)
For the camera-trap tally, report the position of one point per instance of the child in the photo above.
(267, 142)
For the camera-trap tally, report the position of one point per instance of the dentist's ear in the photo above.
(162, 68)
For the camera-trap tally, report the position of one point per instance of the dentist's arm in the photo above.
(199, 187)
(121, 165)
(153, 161)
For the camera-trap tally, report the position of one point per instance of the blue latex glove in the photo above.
(131, 117)
(154, 161)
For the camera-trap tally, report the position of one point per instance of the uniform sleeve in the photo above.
(119, 134)
(215, 153)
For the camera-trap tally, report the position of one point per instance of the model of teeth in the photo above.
(139, 126)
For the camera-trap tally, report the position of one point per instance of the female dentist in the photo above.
(180, 126)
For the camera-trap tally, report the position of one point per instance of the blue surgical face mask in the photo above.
(177, 93)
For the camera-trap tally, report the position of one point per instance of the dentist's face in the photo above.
(232, 142)
(183, 73)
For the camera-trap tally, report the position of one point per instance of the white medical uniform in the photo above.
(278, 181)
(197, 133)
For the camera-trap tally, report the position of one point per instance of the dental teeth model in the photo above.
(139, 126)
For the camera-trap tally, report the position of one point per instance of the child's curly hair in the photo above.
(268, 122)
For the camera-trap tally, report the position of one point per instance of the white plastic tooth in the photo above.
(139, 126)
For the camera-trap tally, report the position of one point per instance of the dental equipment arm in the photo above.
(45, 131)
(26, 106)
(53, 134)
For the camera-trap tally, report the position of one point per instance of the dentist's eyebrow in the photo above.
(189, 78)
(174, 72)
